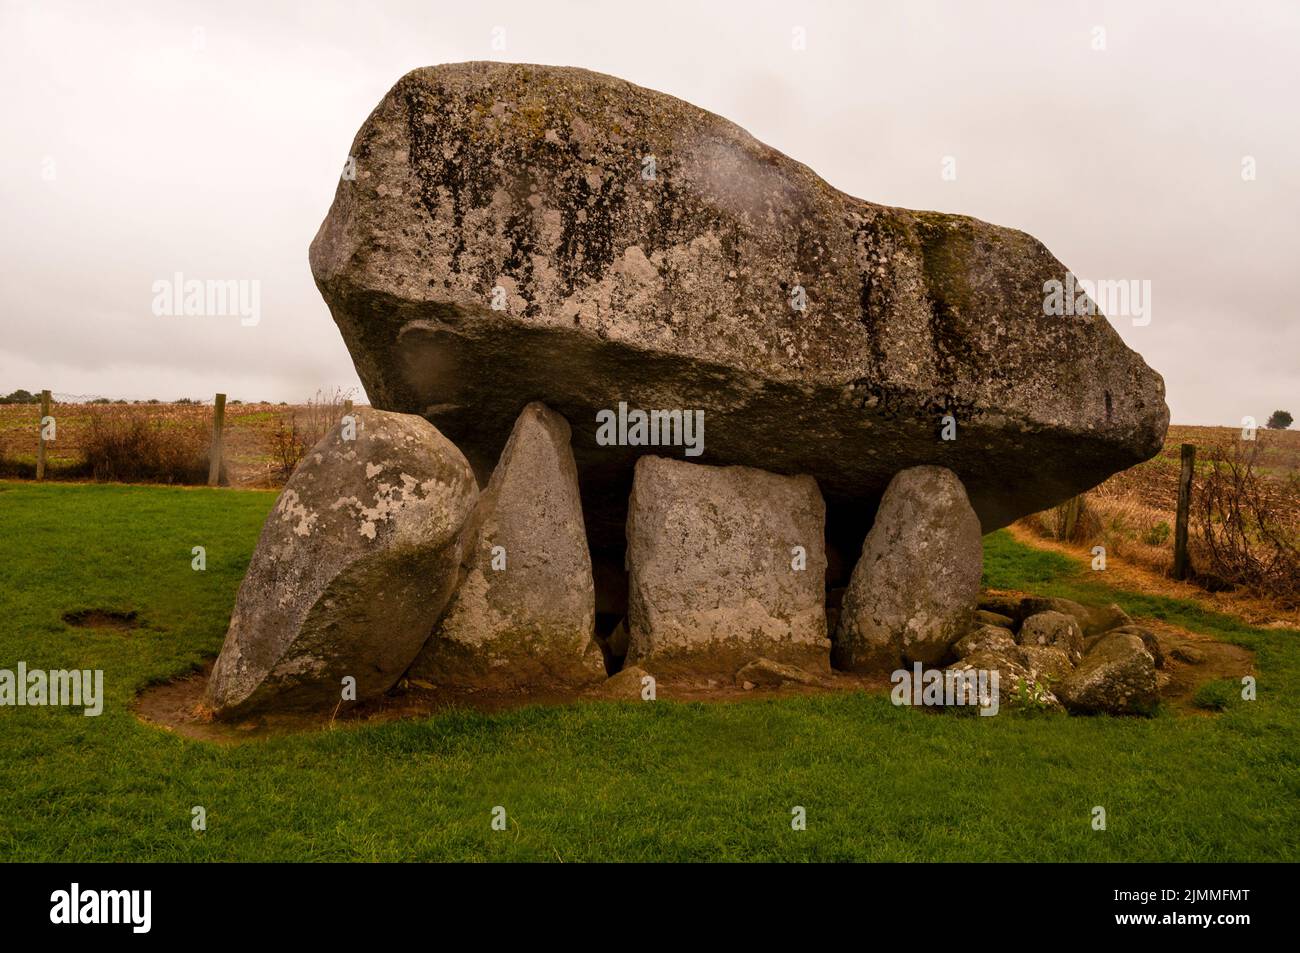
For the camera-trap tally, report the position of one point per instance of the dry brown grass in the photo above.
(1245, 514)
(251, 458)
(122, 445)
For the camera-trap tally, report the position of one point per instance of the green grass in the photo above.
(592, 781)
(1218, 695)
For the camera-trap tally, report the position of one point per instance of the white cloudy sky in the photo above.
(206, 138)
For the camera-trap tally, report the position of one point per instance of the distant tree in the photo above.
(1279, 420)
(20, 397)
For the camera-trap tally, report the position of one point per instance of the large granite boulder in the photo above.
(594, 242)
(727, 566)
(914, 589)
(524, 615)
(354, 566)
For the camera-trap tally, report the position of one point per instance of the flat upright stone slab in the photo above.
(354, 566)
(524, 615)
(710, 551)
(914, 588)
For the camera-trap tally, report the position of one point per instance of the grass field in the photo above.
(593, 781)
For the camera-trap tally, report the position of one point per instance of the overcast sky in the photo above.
(145, 139)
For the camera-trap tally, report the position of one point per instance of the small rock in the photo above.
(1012, 675)
(1053, 628)
(1046, 662)
(770, 674)
(1187, 654)
(1033, 605)
(626, 685)
(1118, 676)
(1007, 606)
(995, 619)
(1093, 620)
(1104, 619)
(991, 637)
(1148, 639)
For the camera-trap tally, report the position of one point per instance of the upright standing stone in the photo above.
(524, 615)
(354, 565)
(914, 589)
(727, 565)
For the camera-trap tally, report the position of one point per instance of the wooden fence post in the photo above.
(1181, 566)
(1072, 507)
(214, 455)
(40, 450)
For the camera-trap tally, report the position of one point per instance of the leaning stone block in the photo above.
(500, 217)
(354, 566)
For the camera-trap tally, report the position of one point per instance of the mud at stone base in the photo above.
(177, 705)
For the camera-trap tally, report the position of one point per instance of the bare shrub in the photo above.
(161, 447)
(1244, 530)
(301, 428)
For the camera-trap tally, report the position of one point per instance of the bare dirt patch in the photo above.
(1192, 660)
(178, 705)
(102, 619)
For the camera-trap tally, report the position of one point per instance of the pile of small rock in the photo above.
(1056, 653)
